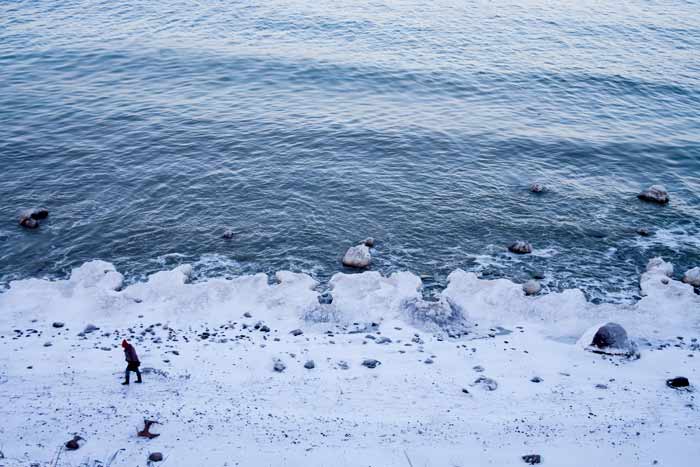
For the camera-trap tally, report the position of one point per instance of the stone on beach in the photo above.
(654, 194)
(611, 339)
(357, 257)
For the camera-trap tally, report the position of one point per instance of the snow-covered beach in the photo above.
(208, 351)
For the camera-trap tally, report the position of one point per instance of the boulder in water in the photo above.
(644, 232)
(357, 257)
(228, 234)
(532, 287)
(369, 241)
(520, 247)
(28, 223)
(610, 339)
(692, 277)
(654, 194)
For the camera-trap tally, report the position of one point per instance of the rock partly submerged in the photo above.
(357, 257)
(30, 218)
(692, 277)
(520, 247)
(532, 287)
(655, 194)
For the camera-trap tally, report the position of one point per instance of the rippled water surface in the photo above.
(149, 128)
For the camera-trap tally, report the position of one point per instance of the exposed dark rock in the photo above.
(309, 365)
(678, 382)
(536, 379)
(38, 213)
(654, 194)
(520, 247)
(532, 459)
(146, 432)
(371, 363)
(58, 324)
(478, 368)
(601, 386)
(296, 332)
(247, 315)
(644, 232)
(325, 298)
(279, 367)
(264, 328)
(369, 241)
(611, 339)
(428, 361)
(155, 457)
(74, 444)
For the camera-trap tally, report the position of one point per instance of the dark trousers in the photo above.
(132, 367)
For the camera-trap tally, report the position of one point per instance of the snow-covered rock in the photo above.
(357, 256)
(692, 277)
(532, 287)
(654, 194)
(610, 339)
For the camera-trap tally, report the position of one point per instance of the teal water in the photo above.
(149, 128)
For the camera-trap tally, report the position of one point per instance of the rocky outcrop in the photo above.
(654, 194)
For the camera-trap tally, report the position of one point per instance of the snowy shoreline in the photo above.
(213, 387)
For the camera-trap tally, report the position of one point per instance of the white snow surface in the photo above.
(221, 404)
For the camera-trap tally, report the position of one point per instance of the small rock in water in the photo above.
(296, 332)
(692, 277)
(309, 365)
(279, 367)
(678, 382)
(227, 235)
(58, 324)
(532, 287)
(371, 363)
(38, 213)
(644, 232)
(520, 247)
(654, 194)
(155, 457)
(532, 459)
(369, 241)
(538, 188)
(28, 223)
(486, 383)
(357, 257)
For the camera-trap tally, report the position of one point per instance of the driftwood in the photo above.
(145, 433)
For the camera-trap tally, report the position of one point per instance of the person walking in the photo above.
(132, 361)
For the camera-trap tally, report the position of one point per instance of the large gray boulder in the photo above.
(357, 257)
(609, 339)
(654, 194)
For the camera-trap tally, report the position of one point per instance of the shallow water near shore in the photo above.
(148, 130)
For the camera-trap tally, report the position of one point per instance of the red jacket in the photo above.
(130, 354)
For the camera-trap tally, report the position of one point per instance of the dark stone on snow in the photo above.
(264, 328)
(520, 247)
(58, 324)
(90, 328)
(611, 335)
(678, 382)
(279, 367)
(296, 332)
(247, 315)
(536, 379)
(73, 445)
(532, 459)
(371, 363)
(310, 365)
(155, 457)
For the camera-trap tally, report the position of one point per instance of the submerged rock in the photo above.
(644, 232)
(357, 257)
(678, 382)
(369, 241)
(29, 218)
(28, 223)
(520, 247)
(611, 339)
(537, 188)
(654, 194)
(692, 277)
(228, 234)
(532, 287)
